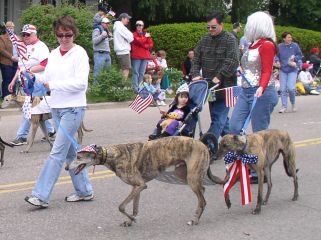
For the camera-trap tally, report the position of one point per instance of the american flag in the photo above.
(19, 44)
(142, 101)
(112, 13)
(231, 95)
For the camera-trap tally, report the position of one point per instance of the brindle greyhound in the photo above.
(2, 147)
(267, 145)
(138, 163)
(38, 120)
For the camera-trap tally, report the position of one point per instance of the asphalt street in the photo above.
(164, 208)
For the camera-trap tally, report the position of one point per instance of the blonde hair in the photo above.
(147, 77)
(259, 25)
(161, 53)
(9, 24)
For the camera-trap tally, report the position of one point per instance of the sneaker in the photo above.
(282, 110)
(50, 135)
(294, 108)
(75, 198)
(152, 137)
(162, 103)
(36, 202)
(19, 141)
(158, 103)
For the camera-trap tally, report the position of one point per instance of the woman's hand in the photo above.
(11, 85)
(259, 92)
(292, 64)
(162, 112)
(46, 85)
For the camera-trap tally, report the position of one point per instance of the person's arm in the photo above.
(231, 60)
(298, 56)
(98, 37)
(13, 81)
(267, 53)
(125, 33)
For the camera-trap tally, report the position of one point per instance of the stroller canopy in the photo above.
(198, 93)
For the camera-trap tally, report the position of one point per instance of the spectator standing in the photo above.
(100, 38)
(289, 61)
(315, 60)
(187, 64)
(66, 76)
(8, 62)
(236, 29)
(141, 47)
(217, 54)
(37, 52)
(122, 39)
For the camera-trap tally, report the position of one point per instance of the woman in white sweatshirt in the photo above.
(66, 76)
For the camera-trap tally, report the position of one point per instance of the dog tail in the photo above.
(289, 160)
(5, 143)
(84, 128)
(214, 178)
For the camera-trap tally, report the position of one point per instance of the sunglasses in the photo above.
(65, 35)
(26, 34)
(212, 27)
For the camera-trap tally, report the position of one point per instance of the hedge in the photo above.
(177, 39)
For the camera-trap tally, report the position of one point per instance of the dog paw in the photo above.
(256, 211)
(192, 223)
(126, 224)
(295, 198)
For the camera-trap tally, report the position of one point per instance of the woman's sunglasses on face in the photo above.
(26, 34)
(65, 35)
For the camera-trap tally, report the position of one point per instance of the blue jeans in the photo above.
(63, 152)
(8, 73)
(219, 120)
(138, 71)
(261, 113)
(25, 126)
(287, 85)
(100, 60)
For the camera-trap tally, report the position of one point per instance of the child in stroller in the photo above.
(197, 93)
(170, 120)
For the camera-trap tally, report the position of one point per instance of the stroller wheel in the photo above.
(211, 142)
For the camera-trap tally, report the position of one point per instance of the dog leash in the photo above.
(248, 119)
(70, 138)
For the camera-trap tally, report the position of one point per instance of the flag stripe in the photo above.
(20, 45)
(231, 95)
(140, 104)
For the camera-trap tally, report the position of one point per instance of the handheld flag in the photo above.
(19, 44)
(142, 100)
(231, 95)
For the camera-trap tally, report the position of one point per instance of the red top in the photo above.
(141, 46)
(62, 52)
(267, 53)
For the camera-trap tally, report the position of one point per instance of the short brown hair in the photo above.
(66, 23)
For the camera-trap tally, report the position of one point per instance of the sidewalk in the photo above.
(90, 106)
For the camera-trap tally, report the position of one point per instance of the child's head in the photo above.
(161, 54)
(155, 79)
(306, 66)
(147, 78)
(182, 95)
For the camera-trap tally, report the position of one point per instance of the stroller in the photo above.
(198, 94)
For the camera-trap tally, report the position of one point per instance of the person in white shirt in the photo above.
(66, 76)
(306, 78)
(122, 39)
(37, 52)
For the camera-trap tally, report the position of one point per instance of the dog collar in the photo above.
(103, 155)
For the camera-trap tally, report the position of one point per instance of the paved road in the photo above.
(165, 208)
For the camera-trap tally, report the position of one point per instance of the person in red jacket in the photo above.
(140, 54)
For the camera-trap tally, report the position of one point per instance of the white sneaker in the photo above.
(294, 108)
(36, 202)
(75, 198)
(158, 103)
(163, 103)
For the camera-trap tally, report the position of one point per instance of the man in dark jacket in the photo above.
(216, 55)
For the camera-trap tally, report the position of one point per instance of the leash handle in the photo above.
(248, 119)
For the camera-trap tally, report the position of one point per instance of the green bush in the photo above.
(42, 16)
(177, 39)
(110, 87)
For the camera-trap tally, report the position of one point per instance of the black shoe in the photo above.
(50, 135)
(153, 137)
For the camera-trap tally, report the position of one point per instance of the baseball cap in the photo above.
(236, 24)
(182, 88)
(124, 15)
(28, 28)
(139, 22)
(105, 20)
(306, 65)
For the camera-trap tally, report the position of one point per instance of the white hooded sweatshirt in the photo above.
(122, 38)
